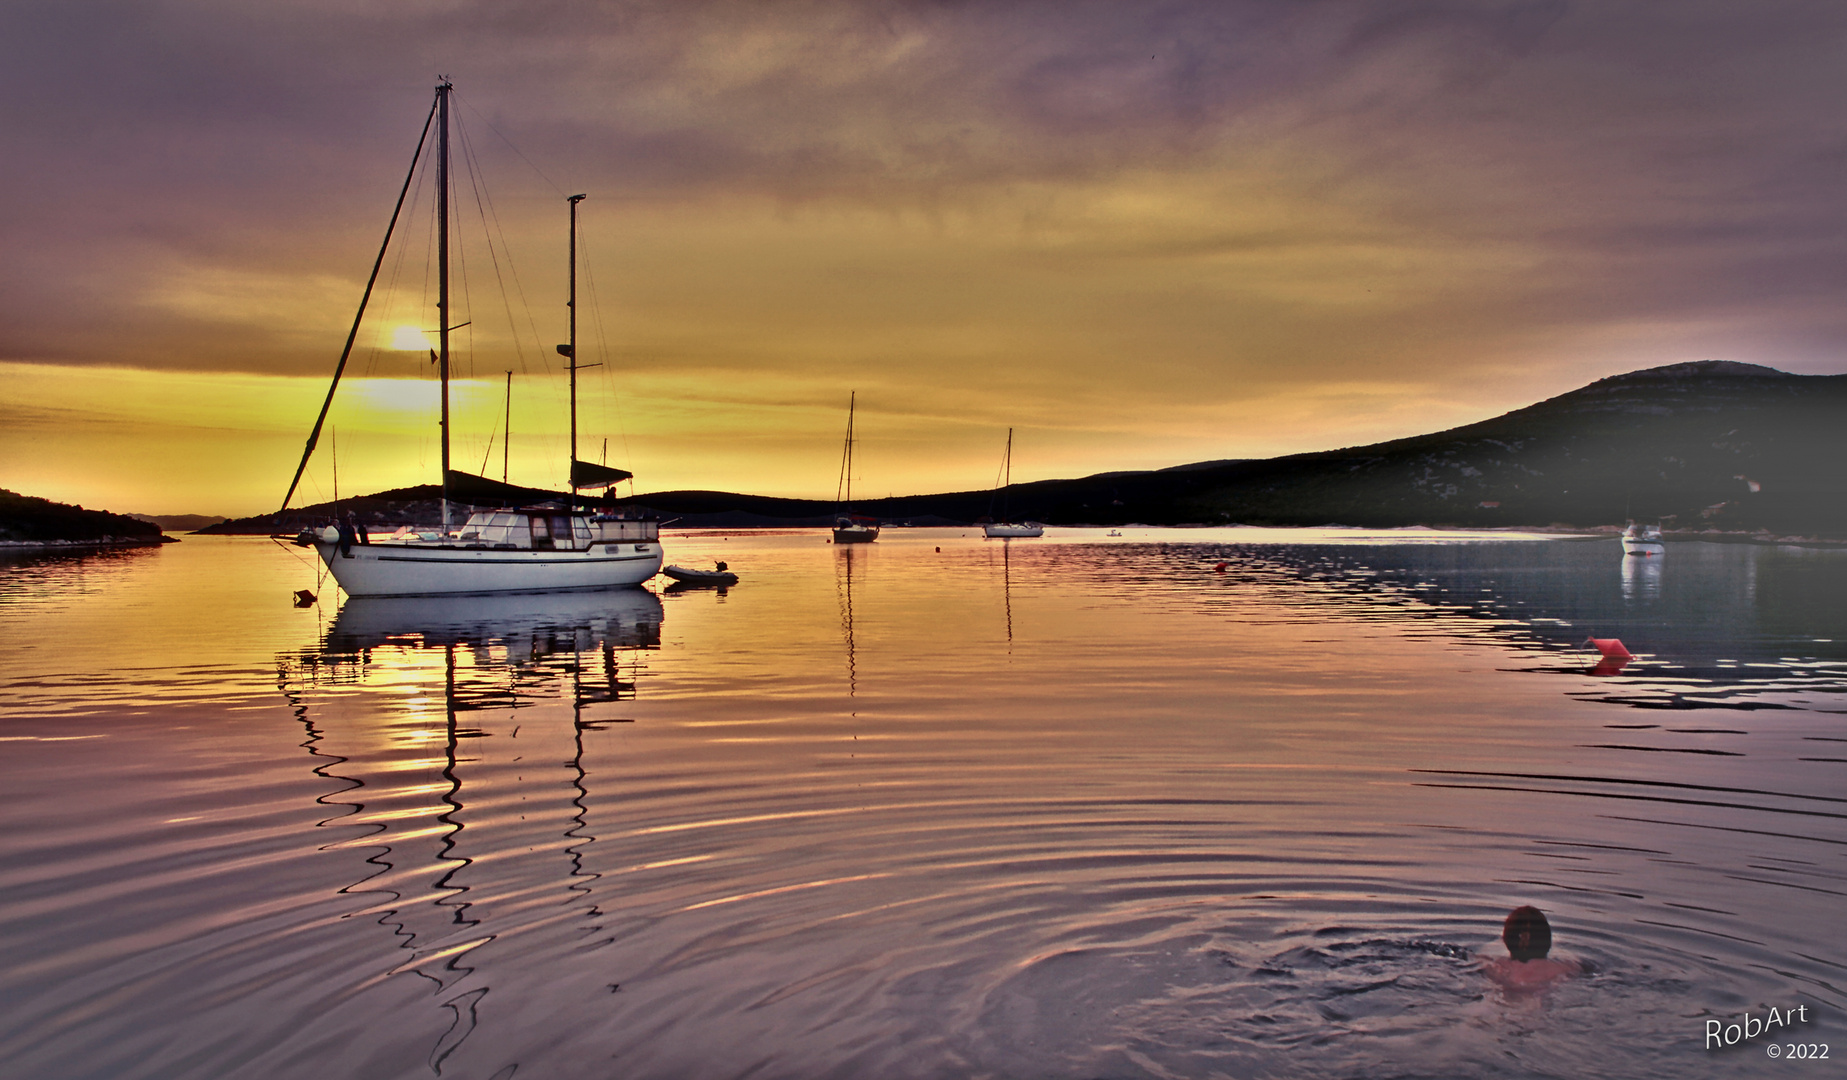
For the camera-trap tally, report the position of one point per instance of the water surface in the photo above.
(1182, 803)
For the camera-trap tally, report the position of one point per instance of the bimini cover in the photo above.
(584, 474)
(480, 491)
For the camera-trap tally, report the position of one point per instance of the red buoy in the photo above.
(1611, 648)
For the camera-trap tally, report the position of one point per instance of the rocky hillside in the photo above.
(1719, 445)
(419, 505)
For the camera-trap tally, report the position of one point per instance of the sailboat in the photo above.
(536, 540)
(1004, 527)
(850, 528)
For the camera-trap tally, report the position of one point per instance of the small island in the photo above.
(31, 523)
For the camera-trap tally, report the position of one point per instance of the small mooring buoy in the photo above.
(1615, 657)
(1611, 648)
(304, 598)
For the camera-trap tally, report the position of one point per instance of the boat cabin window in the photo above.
(552, 532)
(494, 529)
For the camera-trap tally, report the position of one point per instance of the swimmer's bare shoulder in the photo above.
(1530, 975)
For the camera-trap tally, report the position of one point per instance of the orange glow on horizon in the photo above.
(138, 441)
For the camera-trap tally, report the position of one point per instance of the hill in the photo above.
(179, 522)
(1709, 445)
(25, 519)
(1704, 445)
(417, 505)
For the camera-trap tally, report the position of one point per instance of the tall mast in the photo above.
(843, 503)
(571, 473)
(1007, 484)
(506, 444)
(442, 271)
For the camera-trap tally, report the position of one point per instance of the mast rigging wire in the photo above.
(490, 228)
(315, 434)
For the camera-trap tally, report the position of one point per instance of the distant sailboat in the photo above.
(850, 528)
(1005, 527)
(538, 541)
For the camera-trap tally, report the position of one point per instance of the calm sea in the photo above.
(1194, 803)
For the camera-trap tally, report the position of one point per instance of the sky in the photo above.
(1138, 234)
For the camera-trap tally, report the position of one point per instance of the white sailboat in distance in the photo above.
(1005, 528)
(1644, 540)
(850, 528)
(533, 540)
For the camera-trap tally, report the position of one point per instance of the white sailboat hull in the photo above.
(424, 569)
(1643, 540)
(1027, 528)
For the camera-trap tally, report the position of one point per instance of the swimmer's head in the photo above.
(1527, 934)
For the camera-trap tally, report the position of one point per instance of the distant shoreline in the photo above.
(1716, 451)
(68, 545)
(1580, 534)
(1712, 536)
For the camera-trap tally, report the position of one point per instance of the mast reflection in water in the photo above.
(494, 755)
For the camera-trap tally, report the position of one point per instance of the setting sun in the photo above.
(409, 338)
